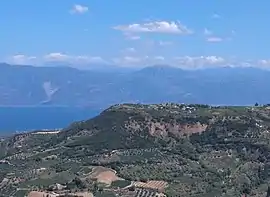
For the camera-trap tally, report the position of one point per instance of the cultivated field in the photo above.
(104, 175)
(84, 194)
(157, 185)
(44, 194)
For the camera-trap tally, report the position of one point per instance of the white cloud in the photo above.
(216, 16)
(214, 39)
(209, 36)
(213, 59)
(21, 59)
(79, 9)
(134, 37)
(161, 58)
(132, 59)
(155, 27)
(185, 62)
(130, 36)
(96, 59)
(164, 43)
(56, 57)
(207, 32)
(264, 63)
(138, 61)
(128, 60)
(200, 61)
(61, 57)
(130, 50)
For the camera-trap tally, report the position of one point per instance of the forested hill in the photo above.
(145, 150)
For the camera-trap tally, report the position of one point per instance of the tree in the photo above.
(132, 188)
(256, 104)
(79, 183)
(246, 189)
(268, 192)
(95, 188)
(38, 159)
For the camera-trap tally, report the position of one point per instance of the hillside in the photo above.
(145, 150)
(99, 89)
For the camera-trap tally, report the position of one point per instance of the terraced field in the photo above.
(154, 185)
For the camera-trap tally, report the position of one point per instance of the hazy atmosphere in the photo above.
(186, 34)
(134, 98)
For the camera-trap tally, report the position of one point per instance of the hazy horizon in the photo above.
(144, 33)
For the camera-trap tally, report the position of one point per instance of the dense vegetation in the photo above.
(198, 150)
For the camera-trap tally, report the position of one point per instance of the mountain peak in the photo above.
(156, 84)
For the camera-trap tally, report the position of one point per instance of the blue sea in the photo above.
(14, 119)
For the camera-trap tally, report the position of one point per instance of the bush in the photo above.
(120, 183)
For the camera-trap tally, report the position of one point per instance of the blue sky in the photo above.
(185, 33)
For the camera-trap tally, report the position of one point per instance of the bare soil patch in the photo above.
(40, 194)
(44, 194)
(104, 175)
(84, 194)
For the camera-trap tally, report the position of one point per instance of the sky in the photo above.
(182, 33)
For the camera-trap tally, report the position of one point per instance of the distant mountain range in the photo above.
(65, 86)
